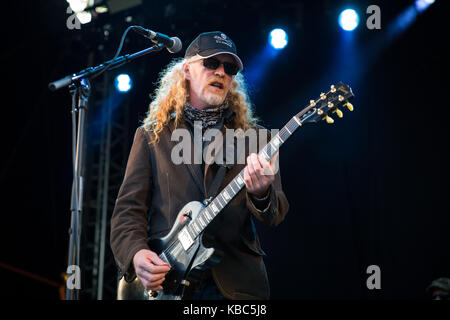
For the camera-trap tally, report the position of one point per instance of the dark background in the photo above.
(371, 189)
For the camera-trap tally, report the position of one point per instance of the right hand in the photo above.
(150, 269)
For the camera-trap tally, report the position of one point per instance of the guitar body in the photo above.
(186, 265)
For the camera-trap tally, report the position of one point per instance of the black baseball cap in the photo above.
(209, 44)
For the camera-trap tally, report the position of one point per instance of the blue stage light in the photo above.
(421, 5)
(348, 20)
(123, 83)
(278, 38)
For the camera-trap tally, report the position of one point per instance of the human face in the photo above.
(208, 88)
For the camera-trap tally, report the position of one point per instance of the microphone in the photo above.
(173, 44)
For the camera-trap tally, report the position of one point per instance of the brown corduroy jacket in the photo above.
(153, 191)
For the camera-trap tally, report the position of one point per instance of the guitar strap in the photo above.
(220, 174)
(215, 185)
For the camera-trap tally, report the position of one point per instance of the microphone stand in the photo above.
(80, 88)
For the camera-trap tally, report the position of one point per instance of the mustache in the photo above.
(217, 80)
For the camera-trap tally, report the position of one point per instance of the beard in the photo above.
(213, 99)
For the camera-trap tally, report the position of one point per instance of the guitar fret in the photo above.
(238, 187)
(293, 124)
(290, 129)
(201, 221)
(223, 200)
(274, 147)
(207, 215)
(226, 195)
(285, 135)
(196, 228)
(211, 213)
(191, 232)
(240, 180)
(219, 204)
(214, 208)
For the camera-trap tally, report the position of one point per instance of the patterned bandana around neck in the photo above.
(208, 117)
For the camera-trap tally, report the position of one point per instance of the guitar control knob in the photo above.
(188, 214)
(152, 293)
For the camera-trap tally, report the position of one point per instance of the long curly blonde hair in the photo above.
(172, 93)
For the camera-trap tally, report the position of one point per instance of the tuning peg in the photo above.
(349, 106)
(329, 119)
(339, 113)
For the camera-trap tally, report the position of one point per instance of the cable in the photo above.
(117, 52)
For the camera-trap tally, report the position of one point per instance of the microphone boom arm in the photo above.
(93, 71)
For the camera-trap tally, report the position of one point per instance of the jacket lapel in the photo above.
(193, 168)
(213, 168)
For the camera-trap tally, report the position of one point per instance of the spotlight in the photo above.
(123, 83)
(78, 5)
(84, 17)
(348, 20)
(278, 39)
(421, 5)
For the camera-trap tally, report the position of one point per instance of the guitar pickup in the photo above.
(185, 238)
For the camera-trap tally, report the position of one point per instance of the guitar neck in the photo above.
(316, 111)
(196, 227)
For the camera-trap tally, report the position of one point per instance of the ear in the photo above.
(186, 71)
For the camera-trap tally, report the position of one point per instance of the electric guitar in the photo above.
(182, 248)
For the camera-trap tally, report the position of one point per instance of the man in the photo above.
(204, 88)
(439, 289)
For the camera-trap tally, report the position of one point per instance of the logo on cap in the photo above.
(223, 40)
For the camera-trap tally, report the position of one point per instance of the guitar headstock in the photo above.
(327, 104)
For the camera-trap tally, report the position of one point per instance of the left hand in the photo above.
(258, 175)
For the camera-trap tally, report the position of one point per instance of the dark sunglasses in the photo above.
(213, 63)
